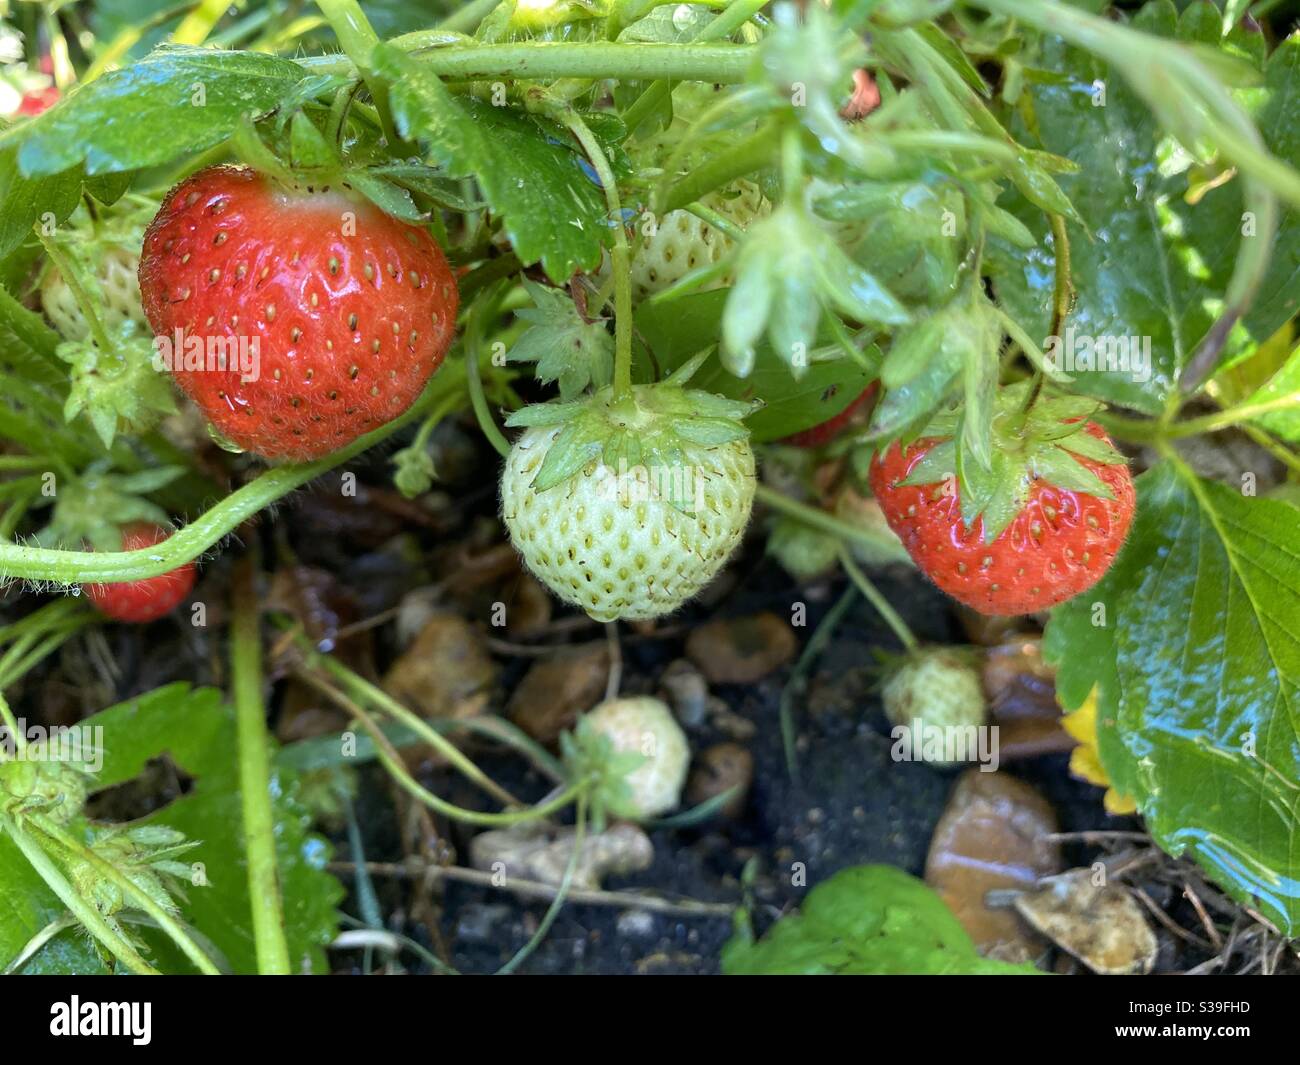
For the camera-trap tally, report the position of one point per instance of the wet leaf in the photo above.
(1190, 642)
(1150, 264)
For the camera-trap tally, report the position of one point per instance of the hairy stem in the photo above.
(85, 912)
(873, 596)
(621, 256)
(828, 523)
(547, 60)
(185, 545)
(730, 20)
(255, 775)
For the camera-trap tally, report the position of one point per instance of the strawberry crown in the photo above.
(656, 427)
(1045, 443)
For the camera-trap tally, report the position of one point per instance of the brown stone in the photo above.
(558, 688)
(1021, 689)
(992, 837)
(446, 672)
(717, 770)
(741, 650)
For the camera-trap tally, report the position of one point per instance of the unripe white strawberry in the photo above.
(937, 688)
(682, 242)
(112, 268)
(633, 541)
(645, 726)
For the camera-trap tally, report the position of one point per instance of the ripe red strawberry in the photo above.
(148, 599)
(823, 434)
(351, 310)
(36, 101)
(1059, 542)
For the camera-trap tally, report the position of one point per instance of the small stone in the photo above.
(731, 724)
(635, 924)
(446, 673)
(556, 689)
(686, 691)
(1021, 689)
(741, 650)
(529, 852)
(1100, 924)
(479, 922)
(992, 837)
(719, 769)
(986, 630)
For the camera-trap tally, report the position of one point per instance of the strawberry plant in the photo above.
(992, 299)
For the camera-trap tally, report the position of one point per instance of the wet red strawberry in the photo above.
(331, 315)
(1057, 545)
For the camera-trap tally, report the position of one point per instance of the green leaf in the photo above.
(175, 102)
(1150, 263)
(1285, 421)
(865, 920)
(552, 208)
(677, 330)
(567, 349)
(1190, 640)
(198, 732)
(24, 201)
(388, 196)
(308, 147)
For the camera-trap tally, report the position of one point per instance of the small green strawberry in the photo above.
(627, 507)
(108, 254)
(681, 242)
(934, 688)
(640, 741)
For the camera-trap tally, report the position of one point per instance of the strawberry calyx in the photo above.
(93, 508)
(1050, 442)
(659, 427)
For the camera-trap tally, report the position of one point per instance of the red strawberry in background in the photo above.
(148, 599)
(1050, 540)
(823, 434)
(35, 101)
(351, 310)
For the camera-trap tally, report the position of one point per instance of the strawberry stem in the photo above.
(561, 893)
(873, 596)
(94, 922)
(474, 376)
(71, 275)
(727, 22)
(362, 689)
(717, 64)
(828, 523)
(392, 762)
(621, 255)
(255, 773)
(358, 39)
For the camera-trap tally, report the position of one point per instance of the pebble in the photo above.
(742, 650)
(558, 688)
(990, 837)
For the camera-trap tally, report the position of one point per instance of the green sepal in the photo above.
(118, 388)
(661, 426)
(1024, 447)
(92, 508)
